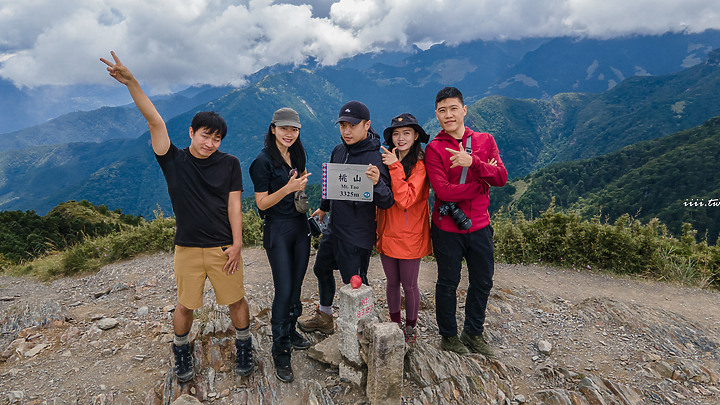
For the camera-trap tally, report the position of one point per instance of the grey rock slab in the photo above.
(326, 351)
(186, 399)
(544, 347)
(107, 323)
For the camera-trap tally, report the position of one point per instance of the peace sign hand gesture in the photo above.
(117, 70)
(459, 158)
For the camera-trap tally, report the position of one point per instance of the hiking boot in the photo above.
(476, 344)
(244, 363)
(409, 333)
(453, 344)
(298, 341)
(184, 370)
(317, 321)
(283, 369)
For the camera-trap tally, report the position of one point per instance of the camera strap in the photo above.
(468, 150)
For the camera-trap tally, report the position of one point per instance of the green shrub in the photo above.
(252, 228)
(25, 236)
(626, 246)
(91, 254)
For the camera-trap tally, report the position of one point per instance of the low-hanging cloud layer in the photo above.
(171, 43)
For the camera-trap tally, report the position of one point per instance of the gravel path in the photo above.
(52, 347)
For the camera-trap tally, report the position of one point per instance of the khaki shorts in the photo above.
(193, 265)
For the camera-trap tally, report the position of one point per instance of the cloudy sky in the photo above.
(172, 43)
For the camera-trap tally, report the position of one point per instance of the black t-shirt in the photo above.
(199, 190)
(268, 177)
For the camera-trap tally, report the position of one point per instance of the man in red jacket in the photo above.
(460, 220)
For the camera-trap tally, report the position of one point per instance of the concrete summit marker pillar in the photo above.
(385, 364)
(355, 304)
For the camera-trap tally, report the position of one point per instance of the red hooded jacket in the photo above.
(471, 197)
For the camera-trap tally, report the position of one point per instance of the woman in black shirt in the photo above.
(279, 176)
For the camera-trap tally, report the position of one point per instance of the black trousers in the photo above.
(450, 248)
(287, 244)
(332, 254)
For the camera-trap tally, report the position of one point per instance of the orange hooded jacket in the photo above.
(403, 230)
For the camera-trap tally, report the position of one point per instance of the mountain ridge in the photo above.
(530, 133)
(651, 179)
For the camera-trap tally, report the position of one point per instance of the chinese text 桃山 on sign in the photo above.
(346, 182)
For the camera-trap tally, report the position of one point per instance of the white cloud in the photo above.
(171, 43)
(610, 18)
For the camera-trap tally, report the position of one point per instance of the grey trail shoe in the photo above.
(476, 344)
(453, 344)
(317, 321)
(184, 370)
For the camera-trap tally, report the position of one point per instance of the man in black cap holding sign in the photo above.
(350, 237)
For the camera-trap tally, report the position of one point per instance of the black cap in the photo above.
(353, 112)
(405, 120)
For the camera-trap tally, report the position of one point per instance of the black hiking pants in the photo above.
(450, 248)
(287, 244)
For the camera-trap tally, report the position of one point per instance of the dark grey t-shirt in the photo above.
(199, 190)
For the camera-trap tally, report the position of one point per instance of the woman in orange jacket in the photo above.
(403, 230)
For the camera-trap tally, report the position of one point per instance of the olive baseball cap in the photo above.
(286, 117)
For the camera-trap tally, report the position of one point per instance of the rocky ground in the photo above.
(560, 336)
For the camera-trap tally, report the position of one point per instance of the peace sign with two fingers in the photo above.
(463, 159)
(117, 70)
(459, 158)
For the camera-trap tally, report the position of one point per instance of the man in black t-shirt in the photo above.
(205, 187)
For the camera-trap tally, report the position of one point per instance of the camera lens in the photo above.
(458, 216)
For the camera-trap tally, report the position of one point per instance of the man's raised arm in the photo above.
(158, 131)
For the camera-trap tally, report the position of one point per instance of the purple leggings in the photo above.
(405, 272)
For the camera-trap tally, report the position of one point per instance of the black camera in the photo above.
(457, 215)
(317, 226)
